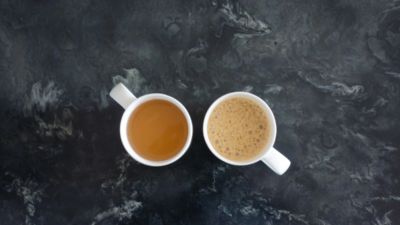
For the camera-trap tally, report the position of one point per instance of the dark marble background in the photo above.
(330, 70)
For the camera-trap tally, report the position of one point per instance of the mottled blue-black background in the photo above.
(330, 71)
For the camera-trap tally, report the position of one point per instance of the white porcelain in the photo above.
(127, 100)
(269, 155)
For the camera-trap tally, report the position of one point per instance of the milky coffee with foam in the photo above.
(238, 129)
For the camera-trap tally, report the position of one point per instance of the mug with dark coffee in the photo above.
(155, 129)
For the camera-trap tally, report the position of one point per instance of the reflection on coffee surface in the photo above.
(238, 129)
(157, 130)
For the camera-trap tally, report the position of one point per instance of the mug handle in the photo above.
(122, 95)
(276, 161)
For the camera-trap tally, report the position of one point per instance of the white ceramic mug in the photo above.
(127, 100)
(269, 155)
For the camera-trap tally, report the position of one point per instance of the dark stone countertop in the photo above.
(330, 70)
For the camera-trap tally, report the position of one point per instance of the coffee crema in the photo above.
(157, 130)
(238, 129)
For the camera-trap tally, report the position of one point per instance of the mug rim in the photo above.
(271, 120)
(124, 124)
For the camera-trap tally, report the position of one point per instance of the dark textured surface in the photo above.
(330, 70)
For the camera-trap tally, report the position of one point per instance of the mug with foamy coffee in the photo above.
(240, 129)
(155, 129)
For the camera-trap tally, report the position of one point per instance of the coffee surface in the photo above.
(157, 130)
(238, 129)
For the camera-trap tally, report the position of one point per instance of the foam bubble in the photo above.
(238, 123)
